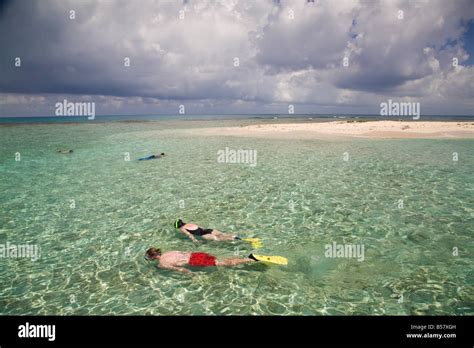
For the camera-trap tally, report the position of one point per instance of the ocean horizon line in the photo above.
(210, 117)
(232, 114)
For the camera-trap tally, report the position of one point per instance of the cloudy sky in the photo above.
(236, 56)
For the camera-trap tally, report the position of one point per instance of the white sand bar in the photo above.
(369, 129)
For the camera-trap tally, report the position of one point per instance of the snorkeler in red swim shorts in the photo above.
(176, 260)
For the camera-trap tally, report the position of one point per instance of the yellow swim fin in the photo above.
(256, 242)
(279, 260)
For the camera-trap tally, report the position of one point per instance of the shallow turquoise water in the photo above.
(299, 197)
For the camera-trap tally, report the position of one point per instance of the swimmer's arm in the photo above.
(182, 229)
(174, 268)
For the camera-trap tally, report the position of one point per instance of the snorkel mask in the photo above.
(178, 223)
(153, 253)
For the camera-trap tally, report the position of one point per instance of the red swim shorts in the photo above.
(202, 260)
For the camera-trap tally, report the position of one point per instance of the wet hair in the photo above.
(162, 154)
(179, 223)
(152, 253)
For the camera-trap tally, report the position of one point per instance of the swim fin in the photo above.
(279, 260)
(256, 242)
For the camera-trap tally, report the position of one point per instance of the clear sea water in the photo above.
(299, 197)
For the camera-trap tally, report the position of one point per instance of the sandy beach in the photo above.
(359, 129)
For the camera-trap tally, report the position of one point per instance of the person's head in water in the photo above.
(153, 254)
(179, 223)
(162, 154)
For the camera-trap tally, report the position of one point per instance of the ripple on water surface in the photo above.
(93, 214)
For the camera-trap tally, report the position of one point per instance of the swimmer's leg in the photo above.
(233, 261)
(221, 236)
(209, 236)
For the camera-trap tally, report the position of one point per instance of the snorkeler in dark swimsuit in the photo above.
(152, 157)
(191, 230)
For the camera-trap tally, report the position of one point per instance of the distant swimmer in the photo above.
(64, 151)
(152, 157)
(176, 260)
(192, 230)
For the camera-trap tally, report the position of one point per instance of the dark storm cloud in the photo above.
(288, 53)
